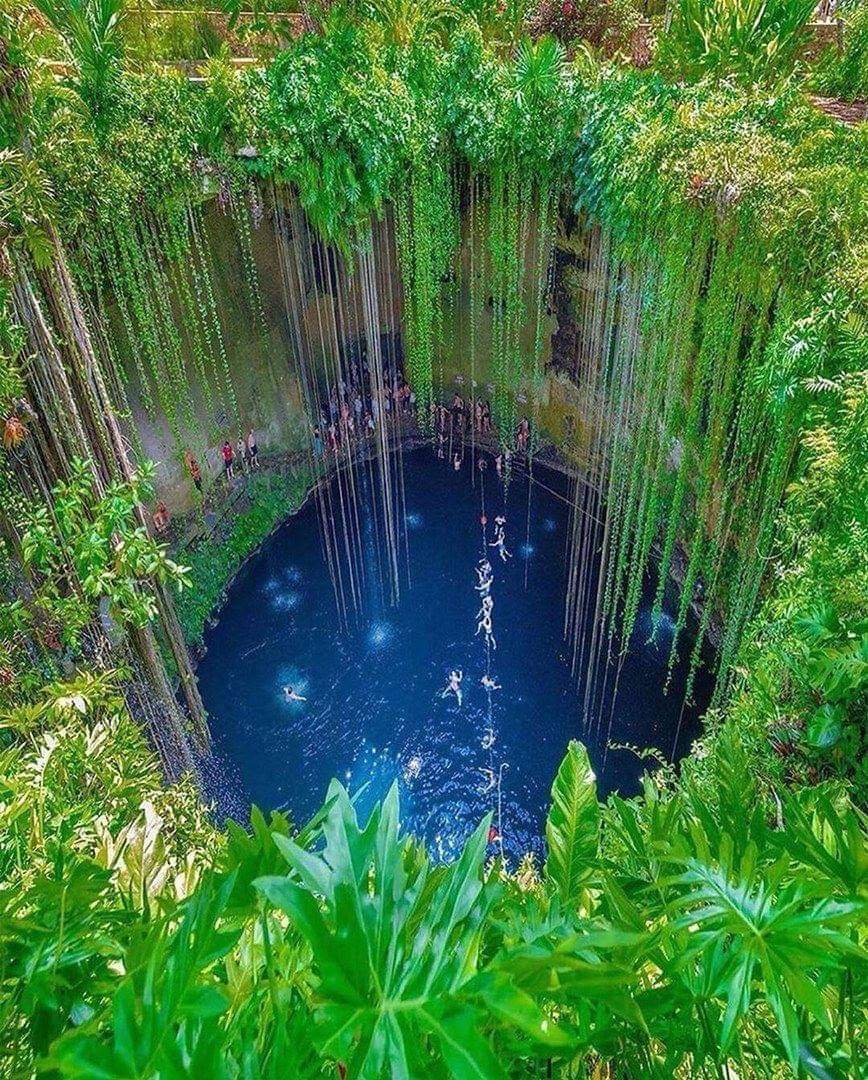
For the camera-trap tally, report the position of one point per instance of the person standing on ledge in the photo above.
(252, 450)
(194, 470)
(228, 457)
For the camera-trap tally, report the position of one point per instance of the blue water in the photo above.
(375, 712)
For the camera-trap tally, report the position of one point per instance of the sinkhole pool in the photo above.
(374, 711)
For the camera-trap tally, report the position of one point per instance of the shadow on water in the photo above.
(374, 711)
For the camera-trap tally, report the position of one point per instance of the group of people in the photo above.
(462, 416)
(485, 578)
(243, 457)
(484, 617)
(351, 413)
(456, 422)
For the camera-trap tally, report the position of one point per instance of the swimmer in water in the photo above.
(483, 572)
(485, 624)
(412, 768)
(487, 606)
(491, 778)
(500, 544)
(488, 739)
(454, 686)
(489, 683)
(291, 695)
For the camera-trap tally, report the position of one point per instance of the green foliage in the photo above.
(214, 562)
(391, 957)
(680, 933)
(754, 41)
(572, 827)
(604, 26)
(89, 838)
(100, 539)
(804, 679)
(719, 202)
(406, 23)
(346, 944)
(337, 123)
(846, 75)
(91, 31)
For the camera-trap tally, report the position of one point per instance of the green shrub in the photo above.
(845, 74)
(754, 41)
(215, 560)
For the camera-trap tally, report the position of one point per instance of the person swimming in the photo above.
(491, 778)
(413, 768)
(486, 609)
(499, 542)
(489, 683)
(485, 624)
(291, 695)
(454, 685)
(488, 739)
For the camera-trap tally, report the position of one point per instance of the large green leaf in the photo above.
(573, 825)
(395, 940)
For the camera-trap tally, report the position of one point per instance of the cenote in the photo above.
(375, 713)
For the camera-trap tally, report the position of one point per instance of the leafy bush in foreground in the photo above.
(664, 934)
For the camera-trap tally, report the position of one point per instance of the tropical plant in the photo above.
(844, 74)
(572, 827)
(214, 561)
(408, 22)
(99, 538)
(91, 32)
(346, 945)
(755, 41)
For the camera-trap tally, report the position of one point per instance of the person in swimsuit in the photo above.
(500, 544)
(228, 458)
(484, 624)
(454, 685)
(252, 450)
(487, 605)
(194, 470)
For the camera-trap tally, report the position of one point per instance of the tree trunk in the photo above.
(83, 409)
(108, 437)
(169, 737)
